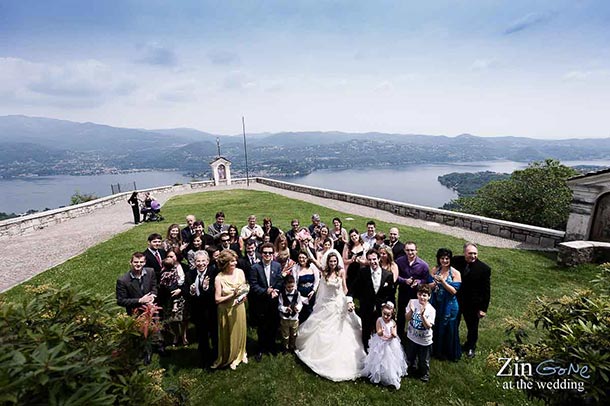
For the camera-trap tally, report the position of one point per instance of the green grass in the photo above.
(518, 277)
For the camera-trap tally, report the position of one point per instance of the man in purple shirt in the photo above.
(412, 271)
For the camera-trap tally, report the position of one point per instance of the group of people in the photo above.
(303, 285)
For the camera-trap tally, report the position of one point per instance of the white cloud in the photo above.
(482, 65)
(238, 80)
(223, 57)
(384, 86)
(180, 92)
(153, 53)
(77, 84)
(584, 75)
(527, 21)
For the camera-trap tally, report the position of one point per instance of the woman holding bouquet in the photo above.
(231, 290)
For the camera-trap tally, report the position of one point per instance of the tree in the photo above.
(78, 197)
(537, 195)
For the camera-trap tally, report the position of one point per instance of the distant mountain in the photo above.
(53, 146)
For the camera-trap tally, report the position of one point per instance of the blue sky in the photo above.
(524, 68)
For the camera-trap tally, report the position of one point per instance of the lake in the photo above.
(20, 195)
(415, 184)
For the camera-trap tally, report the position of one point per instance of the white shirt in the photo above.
(416, 331)
(376, 276)
(268, 273)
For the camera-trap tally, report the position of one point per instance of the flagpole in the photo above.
(243, 125)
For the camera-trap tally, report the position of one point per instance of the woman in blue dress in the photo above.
(307, 276)
(445, 281)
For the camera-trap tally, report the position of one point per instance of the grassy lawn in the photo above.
(518, 277)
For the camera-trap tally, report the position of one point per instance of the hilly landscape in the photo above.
(34, 146)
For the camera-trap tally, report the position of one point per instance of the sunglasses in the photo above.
(267, 252)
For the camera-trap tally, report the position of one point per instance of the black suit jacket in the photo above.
(475, 291)
(244, 264)
(203, 307)
(398, 249)
(363, 290)
(128, 292)
(151, 261)
(186, 234)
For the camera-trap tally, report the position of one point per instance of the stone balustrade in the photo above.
(542, 237)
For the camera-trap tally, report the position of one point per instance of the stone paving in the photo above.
(59, 242)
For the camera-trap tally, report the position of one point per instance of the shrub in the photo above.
(78, 197)
(70, 347)
(576, 331)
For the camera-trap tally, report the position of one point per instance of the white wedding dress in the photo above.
(329, 341)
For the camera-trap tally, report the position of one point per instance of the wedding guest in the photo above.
(182, 282)
(155, 254)
(318, 242)
(195, 246)
(171, 297)
(420, 316)
(231, 290)
(199, 227)
(385, 362)
(201, 285)
(386, 260)
(398, 248)
(134, 202)
(237, 244)
(136, 287)
(290, 305)
(269, 229)
(369, 236)
(266, 282)
(316, 223)
(215, 229)
(173, 241)
(412, 272)
(379, 240)
(353, 256)
(446, 282)
(188, 231)
(252, 230)
(338, 234)
(307, 277)
(475, 292)
(291, 236)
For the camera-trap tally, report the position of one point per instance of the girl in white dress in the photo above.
(385, 362)
(329, 341)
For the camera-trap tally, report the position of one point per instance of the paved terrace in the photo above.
(60, 242)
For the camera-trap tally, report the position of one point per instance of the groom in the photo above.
(372, 287)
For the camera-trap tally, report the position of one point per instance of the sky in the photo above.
(529, 68)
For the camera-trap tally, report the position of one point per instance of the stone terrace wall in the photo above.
(20, 225)
(543, 237)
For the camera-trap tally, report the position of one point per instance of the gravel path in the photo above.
(78, 234)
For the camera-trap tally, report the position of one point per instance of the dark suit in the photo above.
(370, 302)
(473, 295)
(203, 313)
(151, 261)
(187, 234)
(398, 250)
(266, 307)
(128, 291)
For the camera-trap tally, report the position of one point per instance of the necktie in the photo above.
(158, 257)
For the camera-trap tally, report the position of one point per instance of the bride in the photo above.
(329, 341)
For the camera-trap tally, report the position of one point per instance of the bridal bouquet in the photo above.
(242, 293)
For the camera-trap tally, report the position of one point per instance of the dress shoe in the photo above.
(425, 378)
(258, 357)
(471, 353)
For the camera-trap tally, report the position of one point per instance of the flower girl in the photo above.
(385, 362)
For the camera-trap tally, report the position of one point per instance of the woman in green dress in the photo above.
(231, 290)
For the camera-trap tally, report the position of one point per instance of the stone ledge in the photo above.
(543, 237)
(574, 253)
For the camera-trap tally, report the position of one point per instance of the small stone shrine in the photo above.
(588, 229)
(221, 169)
